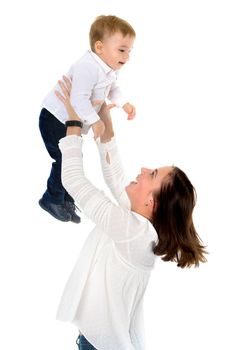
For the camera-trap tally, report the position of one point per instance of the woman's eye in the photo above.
(121, 50)
(152, 174)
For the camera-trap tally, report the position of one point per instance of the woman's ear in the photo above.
(155, 205)
(98, 47)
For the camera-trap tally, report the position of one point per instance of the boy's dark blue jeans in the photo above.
(52, 130)
(83, 343)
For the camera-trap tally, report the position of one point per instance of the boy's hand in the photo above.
(98, 129)
(130, 110)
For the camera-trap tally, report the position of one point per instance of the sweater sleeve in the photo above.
(111, 218)
(113, 171)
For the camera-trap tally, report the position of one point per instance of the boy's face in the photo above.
(114, 50)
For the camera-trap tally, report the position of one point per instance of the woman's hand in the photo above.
(98, 129)
(102, 128)
(105, 116)
(65, 86)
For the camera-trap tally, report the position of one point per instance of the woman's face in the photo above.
(146, 183)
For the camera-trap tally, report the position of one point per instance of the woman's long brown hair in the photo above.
(172, 218)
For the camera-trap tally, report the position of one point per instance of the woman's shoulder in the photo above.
(142, 225)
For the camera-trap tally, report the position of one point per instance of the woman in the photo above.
(104, 295)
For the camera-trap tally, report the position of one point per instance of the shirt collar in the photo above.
(103, 65)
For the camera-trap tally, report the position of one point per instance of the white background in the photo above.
(180, 79)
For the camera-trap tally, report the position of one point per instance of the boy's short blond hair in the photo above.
(108, 25)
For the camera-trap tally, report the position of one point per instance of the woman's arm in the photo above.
(65, 99)
(118, 223)
(98, 207)
(112, 168)
(110, 161)
(65, 85)
(113, 172)
(111, 218)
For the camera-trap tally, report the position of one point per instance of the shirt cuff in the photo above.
(91, 118)
(70, 141)
(120, 101)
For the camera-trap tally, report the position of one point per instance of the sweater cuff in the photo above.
(107, 146)
(70, 141)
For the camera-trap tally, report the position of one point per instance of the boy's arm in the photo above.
(118, 99)
(84, 78)
(115, 96)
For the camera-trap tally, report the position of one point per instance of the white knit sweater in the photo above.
(104, 294)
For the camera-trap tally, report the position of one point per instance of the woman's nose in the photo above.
(143, 170)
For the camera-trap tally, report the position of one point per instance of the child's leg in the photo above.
(52, 130)
(55, 200)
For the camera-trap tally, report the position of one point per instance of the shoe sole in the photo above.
(75, 222)
(56, 217)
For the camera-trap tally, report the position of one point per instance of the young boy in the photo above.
(93, 78)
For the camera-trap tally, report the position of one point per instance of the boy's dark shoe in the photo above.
(71, 209)
(56, 210)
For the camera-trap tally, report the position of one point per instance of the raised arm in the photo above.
(84, 78)
(116, 96)
(98, 207)
(94, 203)
(112, 168)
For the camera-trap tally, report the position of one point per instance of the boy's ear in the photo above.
(98, 47)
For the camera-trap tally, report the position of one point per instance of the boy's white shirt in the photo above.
(93, 81)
